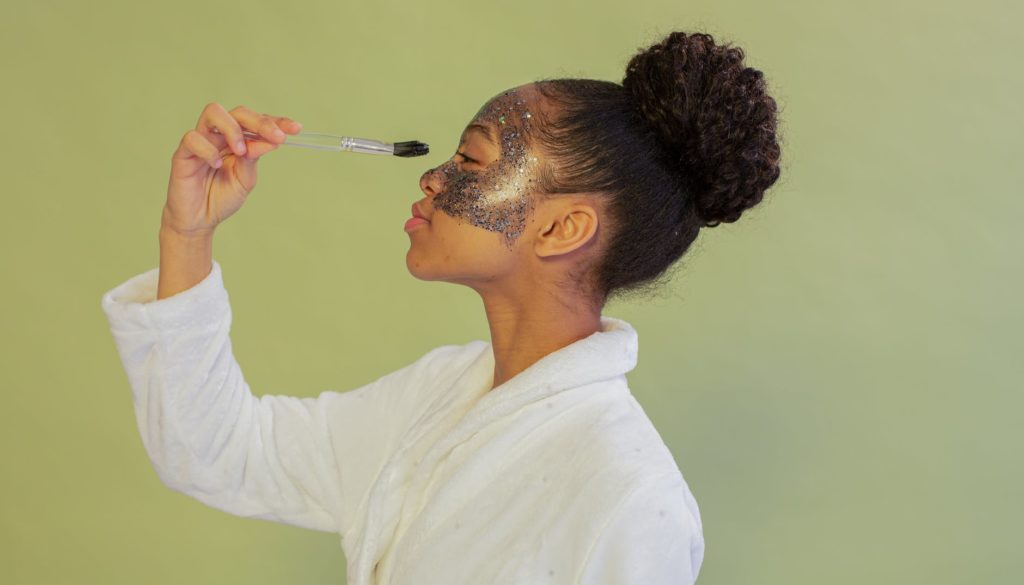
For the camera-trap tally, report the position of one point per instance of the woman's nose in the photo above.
(430, 183)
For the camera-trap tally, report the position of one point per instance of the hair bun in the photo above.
(714, 118)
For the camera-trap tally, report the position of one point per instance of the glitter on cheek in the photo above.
(496, 199)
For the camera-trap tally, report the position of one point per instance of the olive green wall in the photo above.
(837, 374)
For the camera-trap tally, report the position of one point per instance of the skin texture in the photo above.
(520, 251)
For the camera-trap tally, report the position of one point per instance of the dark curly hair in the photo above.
(687, 140)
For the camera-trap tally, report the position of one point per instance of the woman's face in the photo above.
(480, 202)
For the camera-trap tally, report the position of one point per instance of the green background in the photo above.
(837, 374)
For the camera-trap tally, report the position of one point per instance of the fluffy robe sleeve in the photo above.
(653, 537)
(307, 462)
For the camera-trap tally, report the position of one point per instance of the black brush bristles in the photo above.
(411, 148)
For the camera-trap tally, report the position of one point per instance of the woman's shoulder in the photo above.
(629, 447)
(441, 364)
(470, 349)
(448, 356)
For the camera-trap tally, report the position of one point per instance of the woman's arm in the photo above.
(307, 462)
(184, 261)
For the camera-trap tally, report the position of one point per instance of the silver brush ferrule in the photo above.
(367, 146)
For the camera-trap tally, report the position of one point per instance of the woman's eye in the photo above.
(466, 158)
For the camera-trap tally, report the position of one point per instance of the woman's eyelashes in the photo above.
(466, 158)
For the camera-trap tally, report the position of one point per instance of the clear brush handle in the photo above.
(331, 142)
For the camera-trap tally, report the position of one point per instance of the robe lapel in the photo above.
(469, 407)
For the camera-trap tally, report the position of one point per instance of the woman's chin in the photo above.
(417, 267)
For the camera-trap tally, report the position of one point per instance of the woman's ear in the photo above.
(568, 226)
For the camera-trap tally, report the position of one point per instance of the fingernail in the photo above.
(240, 146)
(218, 163)
(278, 132)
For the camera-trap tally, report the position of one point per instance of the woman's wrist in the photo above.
(185, 260)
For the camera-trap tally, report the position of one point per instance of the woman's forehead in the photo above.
(505, 122)
(483, 130)
(508, 107)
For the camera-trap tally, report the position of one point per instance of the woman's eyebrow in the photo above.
(483, 130)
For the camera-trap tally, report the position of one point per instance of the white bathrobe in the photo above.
(429, 477)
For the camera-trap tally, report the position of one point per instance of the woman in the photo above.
(525, 459)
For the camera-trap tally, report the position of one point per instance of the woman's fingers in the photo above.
(284, 123)
(231, 125)
(266, 126)
(229, 132)
(287, 124)
(198, 145)
(258, 148)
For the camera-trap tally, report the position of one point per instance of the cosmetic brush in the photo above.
(347, 143)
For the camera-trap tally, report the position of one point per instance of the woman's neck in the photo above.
(525, 329)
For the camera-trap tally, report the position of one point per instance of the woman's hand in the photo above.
(211, 173)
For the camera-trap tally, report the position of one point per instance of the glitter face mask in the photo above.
(498, 198)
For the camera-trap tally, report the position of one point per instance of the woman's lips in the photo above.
(413, 222)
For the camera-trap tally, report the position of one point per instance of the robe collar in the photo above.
(603, 355)
(608, 353)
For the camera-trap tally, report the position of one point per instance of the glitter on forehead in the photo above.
(499, 198)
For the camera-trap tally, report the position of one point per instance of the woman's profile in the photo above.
(523, 459)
